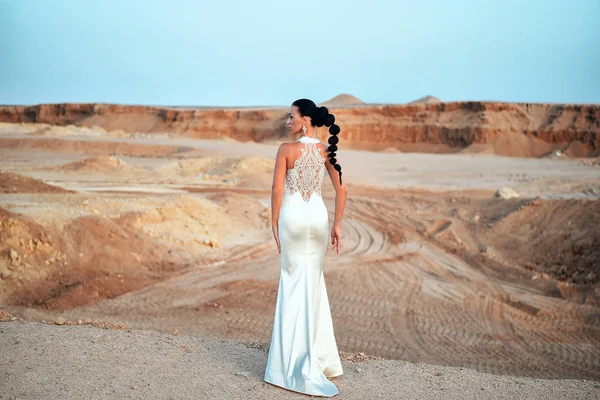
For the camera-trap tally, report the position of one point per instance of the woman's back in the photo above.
(305, 168)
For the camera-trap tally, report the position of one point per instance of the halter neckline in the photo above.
(306, 139)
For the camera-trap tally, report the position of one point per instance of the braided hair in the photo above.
(320, 116)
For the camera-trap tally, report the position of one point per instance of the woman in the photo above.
(303, 352)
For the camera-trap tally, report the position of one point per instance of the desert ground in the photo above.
(466, 259)
(108, 361)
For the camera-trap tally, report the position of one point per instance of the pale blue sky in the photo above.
(261, 52)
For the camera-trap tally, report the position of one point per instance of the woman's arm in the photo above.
(341, 191)
(277, 191)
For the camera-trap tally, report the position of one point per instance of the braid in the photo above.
(334, 130)
(324, 118)
(320, 116)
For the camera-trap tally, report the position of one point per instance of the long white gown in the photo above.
(303, 352)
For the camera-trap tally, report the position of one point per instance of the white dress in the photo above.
(303, 352)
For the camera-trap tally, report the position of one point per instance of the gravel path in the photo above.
(43, 361)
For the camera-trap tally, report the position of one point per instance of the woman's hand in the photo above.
(336, 238)
(276, 236)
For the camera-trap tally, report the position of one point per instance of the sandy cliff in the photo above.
(429, 127)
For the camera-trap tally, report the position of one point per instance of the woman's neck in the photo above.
(310, 132)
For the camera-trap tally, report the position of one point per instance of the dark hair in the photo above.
(320, 116)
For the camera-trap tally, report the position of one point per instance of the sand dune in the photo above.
(342, 100)
(219, 166)
(426, 100)
(15, 183)
(97, 165)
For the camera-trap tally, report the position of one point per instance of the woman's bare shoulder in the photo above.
(285, 146)
(288, 149)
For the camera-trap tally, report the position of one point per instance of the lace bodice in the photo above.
(309, 169)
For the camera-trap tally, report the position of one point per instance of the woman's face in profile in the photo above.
(294, 121)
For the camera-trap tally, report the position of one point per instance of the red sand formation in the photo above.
(89, 259)
(15, 183)
(452, 125)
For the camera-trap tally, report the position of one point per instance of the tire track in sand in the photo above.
(394, 293)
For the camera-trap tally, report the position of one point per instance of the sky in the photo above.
(266, 53)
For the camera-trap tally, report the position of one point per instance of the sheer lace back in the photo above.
(307, 175)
